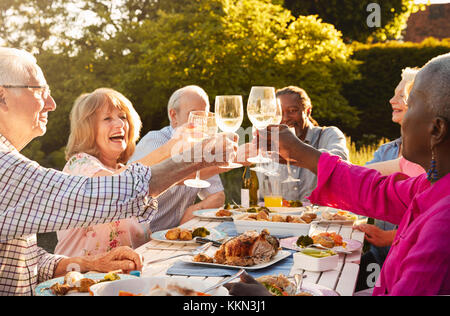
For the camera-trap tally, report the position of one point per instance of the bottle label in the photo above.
(245, 197)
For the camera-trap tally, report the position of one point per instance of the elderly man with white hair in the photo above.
(177, 205)
(34, 199)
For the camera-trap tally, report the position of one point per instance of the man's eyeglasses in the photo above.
(45, 89)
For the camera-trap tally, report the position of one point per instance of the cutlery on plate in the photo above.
(200, 249)
(223, 282)
(202, 240)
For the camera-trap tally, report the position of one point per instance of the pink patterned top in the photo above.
(100, 238)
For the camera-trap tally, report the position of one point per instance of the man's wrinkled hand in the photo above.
(120, 258)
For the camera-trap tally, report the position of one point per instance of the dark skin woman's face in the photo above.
(418, 125)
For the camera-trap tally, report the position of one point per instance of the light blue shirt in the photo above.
(325, 139)
(173, 202)
(386, 152)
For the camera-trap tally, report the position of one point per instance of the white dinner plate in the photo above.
(352, 245)
(211, 214)
(143, 285)
(282, 254)
(214, 235)
(321, 220)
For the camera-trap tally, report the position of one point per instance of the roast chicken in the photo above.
(248, 249)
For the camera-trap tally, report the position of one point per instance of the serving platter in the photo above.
(282, 254)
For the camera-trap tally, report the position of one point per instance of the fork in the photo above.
(191, 253)
(227, 280)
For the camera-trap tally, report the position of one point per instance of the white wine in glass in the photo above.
(229, 111)
(261, 109)
(272, 167)
(290, 178)
(199, 122)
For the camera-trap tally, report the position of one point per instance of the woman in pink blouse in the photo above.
(104, 131)
(418, 262)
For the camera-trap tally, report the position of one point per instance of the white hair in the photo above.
(409, 74)
(174, 101)
(17, 67)
(437, 73)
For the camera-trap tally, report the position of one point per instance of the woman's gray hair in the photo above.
(174, 101)
(437, 74)
(17, 67)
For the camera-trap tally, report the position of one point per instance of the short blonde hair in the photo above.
(82, 122)
(408, 77)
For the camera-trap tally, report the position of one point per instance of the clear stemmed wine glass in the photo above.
(276, 120)
(199, 131)
(290, 179)
(261, 109)
(229, 111)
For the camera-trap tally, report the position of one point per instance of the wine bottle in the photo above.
(254, 188)
(245, 188)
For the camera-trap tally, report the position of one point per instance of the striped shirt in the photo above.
(34, 200)
(173, 202)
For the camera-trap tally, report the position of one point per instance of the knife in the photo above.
(201, 240)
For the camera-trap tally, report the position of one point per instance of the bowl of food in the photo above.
(277, 224)
(157, 286)
(316, 260)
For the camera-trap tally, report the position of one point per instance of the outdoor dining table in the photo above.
(342, 279)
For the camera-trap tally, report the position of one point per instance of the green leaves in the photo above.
(350, 16)
(148, 49)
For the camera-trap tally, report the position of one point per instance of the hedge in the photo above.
(381, 67)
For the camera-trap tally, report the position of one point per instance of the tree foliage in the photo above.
(148, 49)
(350, 16)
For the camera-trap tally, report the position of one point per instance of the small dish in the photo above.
(309, 263)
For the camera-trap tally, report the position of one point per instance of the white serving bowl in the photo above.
(274, 228)
(288, 210)
(145, 284)
(309, 263)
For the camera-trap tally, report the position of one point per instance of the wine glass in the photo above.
(229, 111)
(290, 179)
(199, 131)
(276, 120)
(261, 109)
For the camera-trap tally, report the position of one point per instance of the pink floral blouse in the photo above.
(100, 238)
